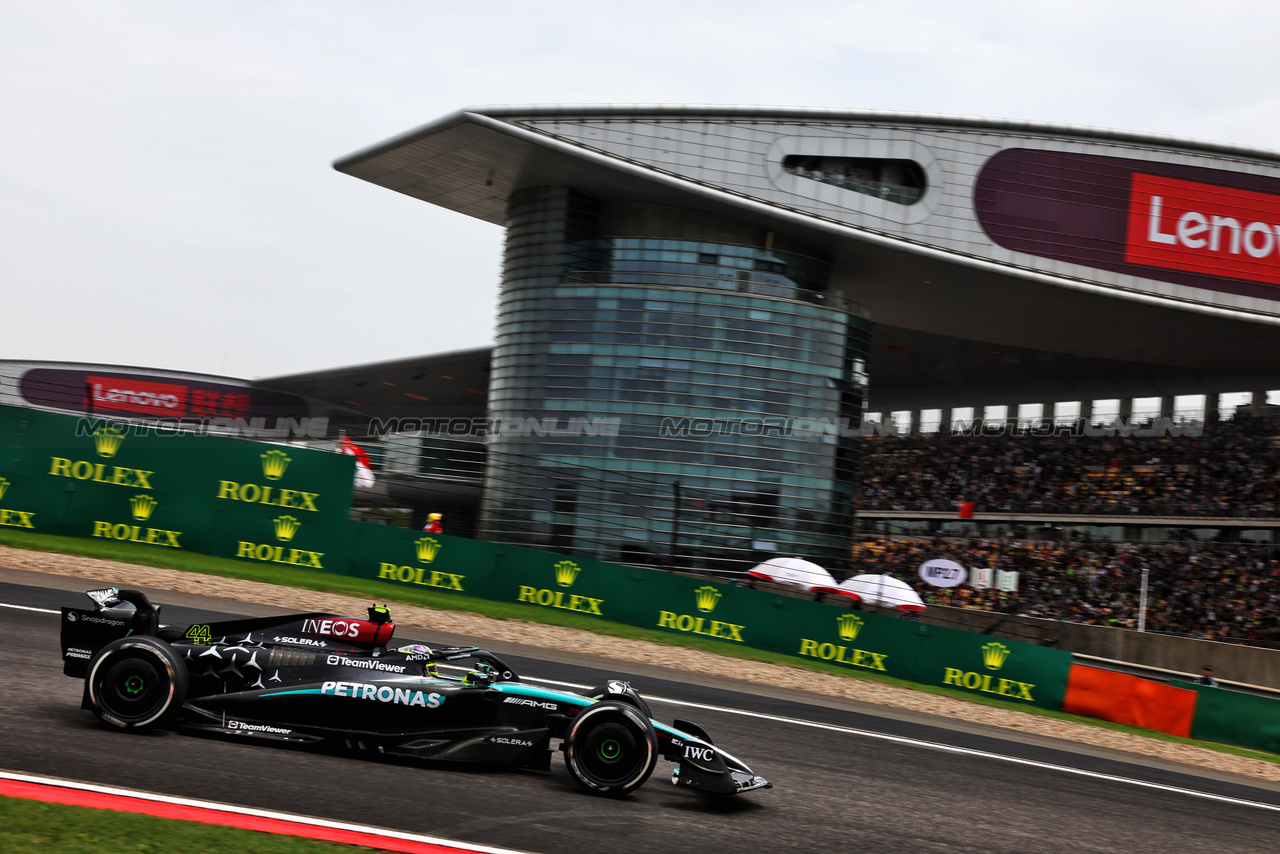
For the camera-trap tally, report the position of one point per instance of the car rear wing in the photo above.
(115, 614)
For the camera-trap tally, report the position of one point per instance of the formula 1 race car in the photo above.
(319, 678)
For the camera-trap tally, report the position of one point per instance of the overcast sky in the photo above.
(166, 191)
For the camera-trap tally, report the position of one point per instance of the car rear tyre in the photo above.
(134, 683)
(611, 748)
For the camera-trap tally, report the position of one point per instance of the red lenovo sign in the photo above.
(1202, 228)
(1210, 229)
(148, 398)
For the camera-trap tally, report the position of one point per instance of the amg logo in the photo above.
(521, 701)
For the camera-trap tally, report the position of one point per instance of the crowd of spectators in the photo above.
(1230, 470)
(1215, 591)
(1225, 591)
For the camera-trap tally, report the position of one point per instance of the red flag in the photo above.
(966, 509)
(364, 470)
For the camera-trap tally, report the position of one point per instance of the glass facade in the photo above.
(673, 390)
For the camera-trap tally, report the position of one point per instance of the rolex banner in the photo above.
(87, 477)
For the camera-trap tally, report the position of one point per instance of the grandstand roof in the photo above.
(965, 313)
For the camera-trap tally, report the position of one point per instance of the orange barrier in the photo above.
(1127, 699)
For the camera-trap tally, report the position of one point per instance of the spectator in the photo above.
(1206, 676)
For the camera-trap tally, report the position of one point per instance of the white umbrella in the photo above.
(799, 573)
(883, 590)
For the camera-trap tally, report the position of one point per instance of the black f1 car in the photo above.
(316, 678)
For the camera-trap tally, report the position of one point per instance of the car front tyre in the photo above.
(611, 748)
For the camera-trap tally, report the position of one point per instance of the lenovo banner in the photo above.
(1203, 228)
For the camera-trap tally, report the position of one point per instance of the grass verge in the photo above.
(27, 826)
(376, 591)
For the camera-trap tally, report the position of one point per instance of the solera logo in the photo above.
(1203, 228)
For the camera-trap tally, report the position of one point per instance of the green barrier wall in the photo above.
(85, 477)
(288, 506)
(1232, 717)
(857, 640)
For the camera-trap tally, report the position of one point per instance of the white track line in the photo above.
(25, 608)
